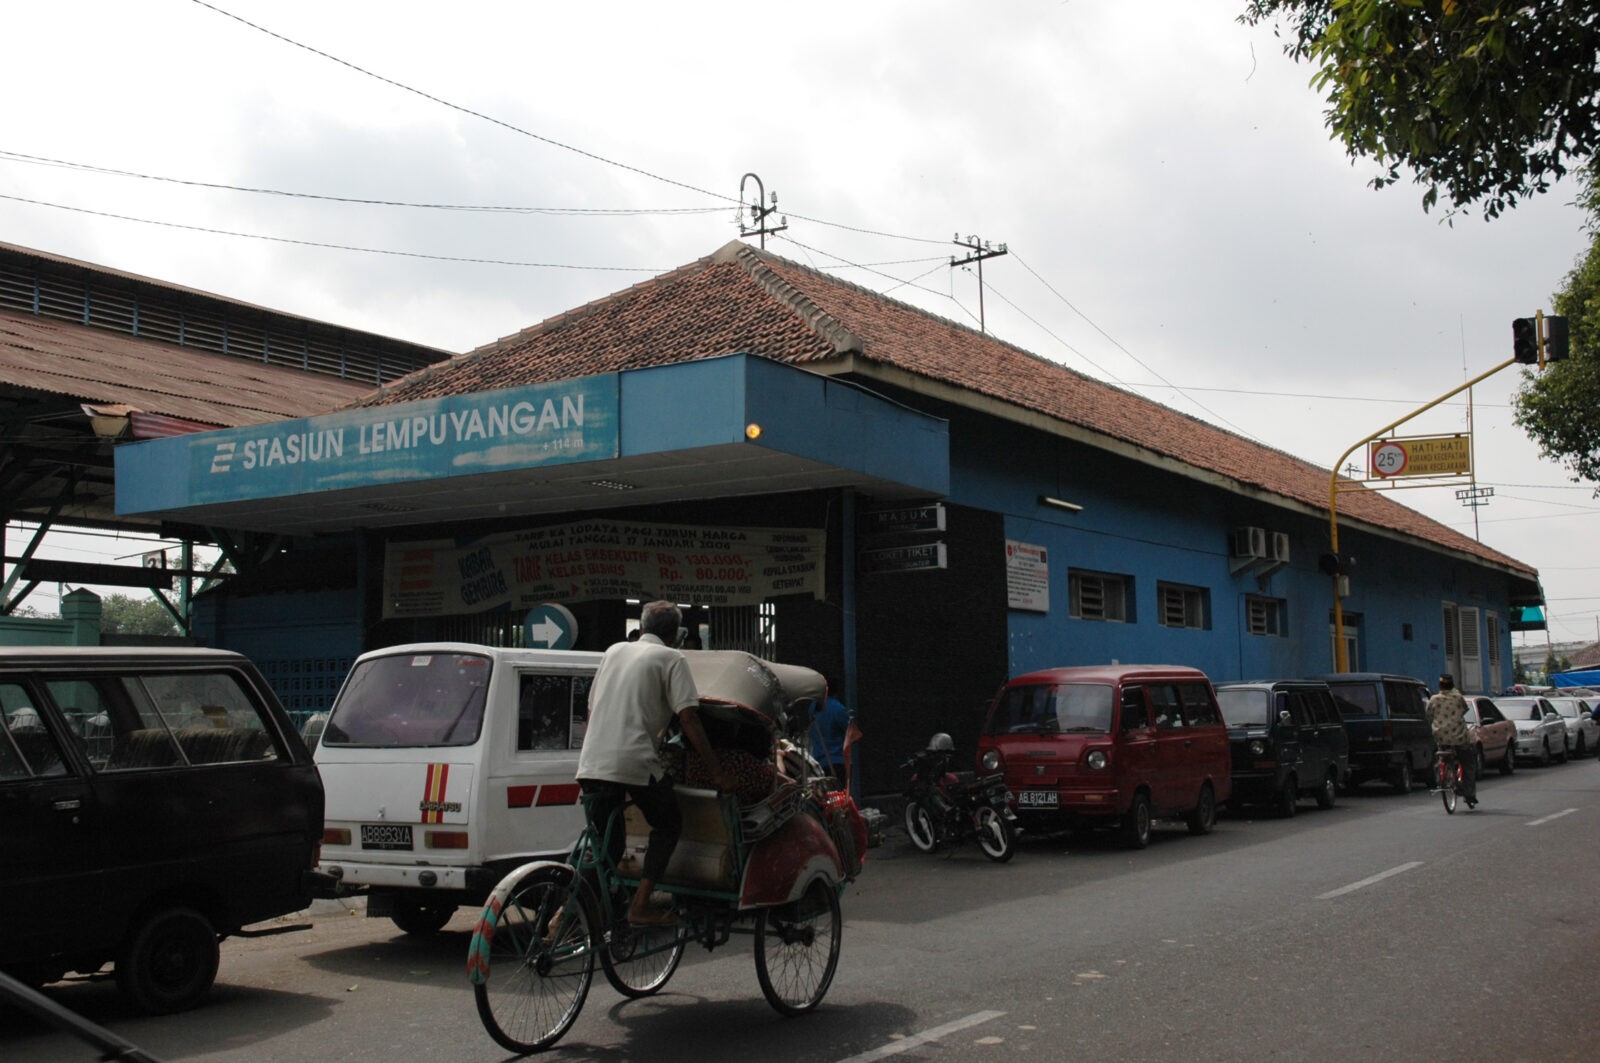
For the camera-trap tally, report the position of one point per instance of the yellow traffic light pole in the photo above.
(1341, 656)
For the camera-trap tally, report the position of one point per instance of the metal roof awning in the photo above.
(717, 428)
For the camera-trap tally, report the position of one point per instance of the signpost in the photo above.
(1420, 456)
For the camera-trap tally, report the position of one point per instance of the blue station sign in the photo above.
(459, 435)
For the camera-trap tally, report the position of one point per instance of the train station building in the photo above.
(823, 475)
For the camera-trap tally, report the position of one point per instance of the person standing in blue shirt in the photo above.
(828, 733)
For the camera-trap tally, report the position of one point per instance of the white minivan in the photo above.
(447, 765)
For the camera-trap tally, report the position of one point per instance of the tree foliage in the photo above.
(1559, 408)
(1484, 102)
(124, 615)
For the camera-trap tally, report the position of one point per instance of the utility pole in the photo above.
(981, 249)
(759, 211)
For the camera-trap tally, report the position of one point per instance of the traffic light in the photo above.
(1331, 564)
(1525, 341)
(1555, 339)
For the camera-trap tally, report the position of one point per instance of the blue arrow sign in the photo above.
(550, 626)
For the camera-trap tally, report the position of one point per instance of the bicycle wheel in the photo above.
(537, 958)
(640, 960)
(797, 948)
(1447, 785)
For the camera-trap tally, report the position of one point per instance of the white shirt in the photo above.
(638, 689)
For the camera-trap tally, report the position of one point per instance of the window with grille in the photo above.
(1183, 606)
(1098, 596)
(1266, 616)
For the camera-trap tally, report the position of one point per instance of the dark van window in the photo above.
(1164, 706)
(163, 719)
(422, 699)
(1198, 708)
(1081, 707)
(1356, 699)
(1405, 699)
(1323, 710)
(552, 711)
(27, 749)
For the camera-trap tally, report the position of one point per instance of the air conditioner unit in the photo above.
(1280, 547)
(1247, 542)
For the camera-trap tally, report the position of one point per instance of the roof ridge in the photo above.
(827, 326)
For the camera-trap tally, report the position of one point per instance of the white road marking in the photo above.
(1547, 819)
(906, 1044)
(1364, 883)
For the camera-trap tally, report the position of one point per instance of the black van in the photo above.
(1287, 740)
(152, 802)
(1388, 726)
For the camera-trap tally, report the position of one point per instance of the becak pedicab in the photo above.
(769, 861)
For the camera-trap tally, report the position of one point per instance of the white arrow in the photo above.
(546, 631)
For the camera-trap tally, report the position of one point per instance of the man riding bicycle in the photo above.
(1447, 714)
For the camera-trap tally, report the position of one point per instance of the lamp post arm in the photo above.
(1341, 658)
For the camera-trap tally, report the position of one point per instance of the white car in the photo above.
(1541, 732)
(1583, 734)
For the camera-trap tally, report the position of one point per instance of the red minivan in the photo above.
(1110, 745)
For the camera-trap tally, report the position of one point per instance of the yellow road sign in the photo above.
(1421, 456)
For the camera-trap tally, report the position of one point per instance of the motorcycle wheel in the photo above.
(920, 826)
(996, 835)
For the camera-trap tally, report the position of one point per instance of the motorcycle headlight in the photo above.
(1096, 759)
(990, 760)
(1257, 747)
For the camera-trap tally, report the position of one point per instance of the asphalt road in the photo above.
(1381, 929)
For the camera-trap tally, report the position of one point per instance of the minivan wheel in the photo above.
(415, 917)
(1508, 766)
(1288, 798)
(1328, 793)
(1136, 824)
(169, 962)
(1402, 778)
(1203, 817)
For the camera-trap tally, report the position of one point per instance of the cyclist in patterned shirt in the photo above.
(1447, 714)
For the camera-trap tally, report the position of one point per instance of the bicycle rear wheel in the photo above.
(1447, 785)
(797, 949)
(540, 960)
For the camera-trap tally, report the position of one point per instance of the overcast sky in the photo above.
(1178, 219)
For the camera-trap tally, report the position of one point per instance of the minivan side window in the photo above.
(552, 710)
(1198, 707)
(1164, 706)
(27, 749)
(1405, 699)
(1356, 699)
(163, 719)
(1323, 710)
(1135, 716)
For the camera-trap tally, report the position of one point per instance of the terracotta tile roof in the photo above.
(741, 299)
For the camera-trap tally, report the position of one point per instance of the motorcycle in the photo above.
(945, 808)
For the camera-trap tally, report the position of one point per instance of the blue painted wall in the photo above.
(1156, 527)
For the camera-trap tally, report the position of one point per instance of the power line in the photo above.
(41, 160)
(333, 247)
(465, 110)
